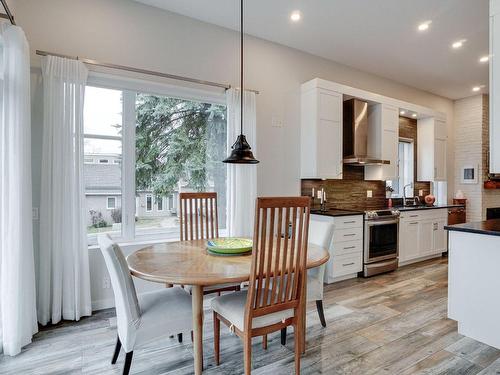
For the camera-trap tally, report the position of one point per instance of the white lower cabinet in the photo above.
(346, 248)
(409, 234)
(422, 234)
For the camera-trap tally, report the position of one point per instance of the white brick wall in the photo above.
(471, 148)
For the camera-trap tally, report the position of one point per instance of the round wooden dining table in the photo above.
(189, 263)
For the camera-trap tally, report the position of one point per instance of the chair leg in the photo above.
(179, 338)
(321, 313)
(247, 350)
(298, 350)
(283, 336)
(264, 342)
(128, 362)
(216, 339)
(118, 346)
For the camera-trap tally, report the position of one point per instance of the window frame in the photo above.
(161, 200)
(400, 179)
(149, 198)
(129, 88)
(107, 202)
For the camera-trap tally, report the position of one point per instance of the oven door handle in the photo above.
(381, 222)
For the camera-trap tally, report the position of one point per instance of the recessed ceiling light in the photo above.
(295, 16)
(458, 44)
(476, 88)
(402, 112)
(414, 115)
(484, 59)
(424, 26)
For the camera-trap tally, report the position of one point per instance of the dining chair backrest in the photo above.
(279, 255)
(198, 216)
(321, 233)
(128, 313)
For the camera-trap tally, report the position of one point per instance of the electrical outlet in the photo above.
(106, 282)
(369, 194)
(420, 192)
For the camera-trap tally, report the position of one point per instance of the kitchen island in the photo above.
(474, 280)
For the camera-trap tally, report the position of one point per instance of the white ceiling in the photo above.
(376, 36)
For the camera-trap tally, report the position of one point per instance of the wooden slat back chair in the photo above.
(198, 221)
(279, 253)
(198, 216)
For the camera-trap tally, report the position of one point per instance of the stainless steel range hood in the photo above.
(355, 142)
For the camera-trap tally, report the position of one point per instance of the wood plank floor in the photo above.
(389, 324)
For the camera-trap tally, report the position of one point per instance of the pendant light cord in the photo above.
(241, 71)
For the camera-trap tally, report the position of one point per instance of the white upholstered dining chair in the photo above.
(145, 318)
(320, 234)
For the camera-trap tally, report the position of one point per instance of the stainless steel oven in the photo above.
(381, 242)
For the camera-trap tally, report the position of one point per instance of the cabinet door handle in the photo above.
(415, 222)
(349, 222)
(349, 247)
(349, 235)
(347, 264)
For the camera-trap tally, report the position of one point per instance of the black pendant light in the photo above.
(241, 151)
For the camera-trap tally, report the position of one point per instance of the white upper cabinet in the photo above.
(431, 149)
(321, 134)
(494, 86)
(383, 138)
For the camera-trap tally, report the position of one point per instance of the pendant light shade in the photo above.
(241, 151)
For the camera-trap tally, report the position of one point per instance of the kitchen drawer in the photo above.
(411, 216)
(347, 234)
(346, 265)
(347, 247)
(342, 222)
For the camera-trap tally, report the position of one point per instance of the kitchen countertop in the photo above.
(343, 212)
(413, 208)
(489, 227)
(336, 212)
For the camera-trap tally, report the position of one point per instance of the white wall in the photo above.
(128, 33)
(471, 148)
(469, 151)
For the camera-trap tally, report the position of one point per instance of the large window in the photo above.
(405, 170)
(170, 145)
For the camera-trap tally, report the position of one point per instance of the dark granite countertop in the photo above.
(438, 206)
(489, 227)
(336, 212)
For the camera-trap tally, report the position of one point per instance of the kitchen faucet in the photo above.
(404, 192)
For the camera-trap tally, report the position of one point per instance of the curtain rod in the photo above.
(138, 70)
(9, 15)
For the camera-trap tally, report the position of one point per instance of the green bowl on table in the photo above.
(229, 245)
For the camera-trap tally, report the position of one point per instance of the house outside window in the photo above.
(155, 146)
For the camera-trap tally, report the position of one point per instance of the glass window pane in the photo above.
(179, 148)
(103, 187)
(102, 113)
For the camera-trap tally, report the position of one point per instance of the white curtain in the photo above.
(17, 270)
(64, 286)
(241, 178)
